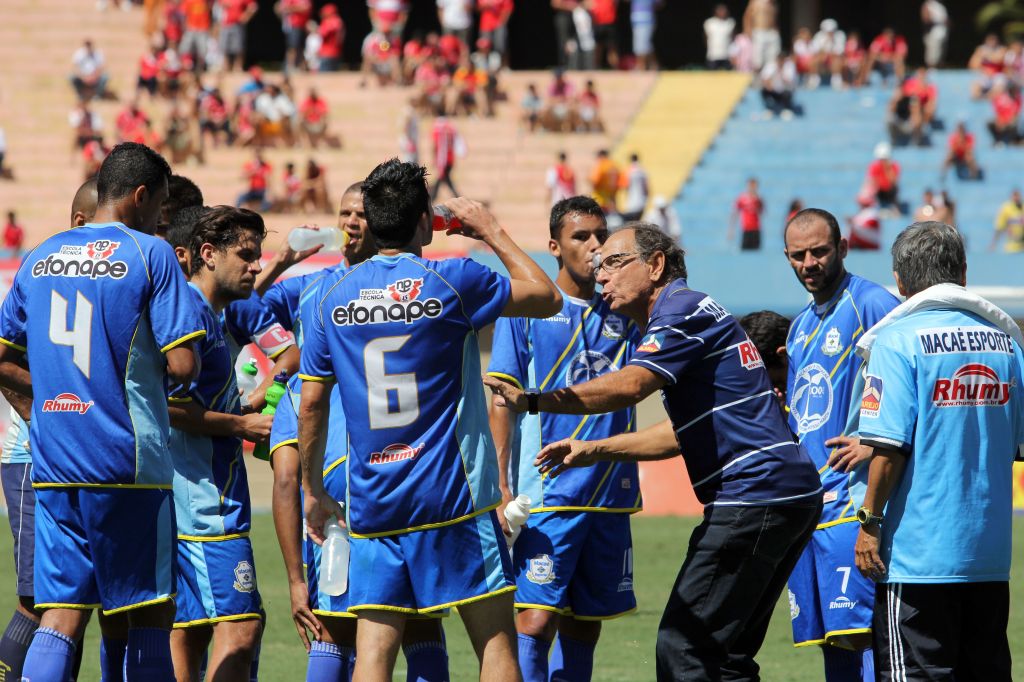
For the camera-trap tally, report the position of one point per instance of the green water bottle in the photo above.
(274, 395)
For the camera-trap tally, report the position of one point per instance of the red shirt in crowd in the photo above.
(235, 10)
(197, 15)
(296, 12)
(924, 91)
(960, 145)
(451, 48)
(749, 206)
(257, 173)
(378, 47)
(1007, 108)
(330, 34)
(213, 109)
(603, 12)
(131, 125)
(173, 21)
(149, 66)
(884, 174)
(313, 110)
(889, 47)
(493, 14)
(14, 235)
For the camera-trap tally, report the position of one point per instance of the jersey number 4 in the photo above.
(79, 337)
(381, 386)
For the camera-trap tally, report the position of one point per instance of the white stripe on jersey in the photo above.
(774, 500)
(739, 459)
(690, 423)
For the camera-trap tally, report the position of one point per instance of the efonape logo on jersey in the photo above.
(587, 365)
(92, 261)
(973, 385)
(67, 402)
(397, 302)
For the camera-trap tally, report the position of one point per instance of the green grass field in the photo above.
(627, 648)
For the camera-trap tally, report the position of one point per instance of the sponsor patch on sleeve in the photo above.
(650, 344)
(872, 398)
(750, 358)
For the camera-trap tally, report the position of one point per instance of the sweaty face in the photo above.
(816, 260)
(352, 220)
(236, 267)
(625, 277)
(581, 237)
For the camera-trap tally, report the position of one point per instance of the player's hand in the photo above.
(848, 453)
(506, 497)
(255, 427)
(477, 221)
(318, 509)
(508, 395)
(565, 454)
(869, 561)
(287, 256)
(306, 623)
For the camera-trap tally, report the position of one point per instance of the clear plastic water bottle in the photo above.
(247, 380)
(334, 560)
(516, 513)
(332, 238)
(444, 219)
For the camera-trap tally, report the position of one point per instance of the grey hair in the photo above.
(650, 239)
(928, 253)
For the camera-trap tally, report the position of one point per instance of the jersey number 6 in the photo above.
(380, 385)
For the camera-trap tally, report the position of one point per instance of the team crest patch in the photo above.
(650, 344)
(794, 608)
(612, 328)
(541, 569)
(245, 577)
(405, 290)
(872, 399)
(833, 342)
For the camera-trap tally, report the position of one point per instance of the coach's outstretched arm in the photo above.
(607, 393)
(533, 293)
(653, 443)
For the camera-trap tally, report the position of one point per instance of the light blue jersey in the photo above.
(822, 371)
(583, 341)
(943, 386)
(97, 307)
(15, 447)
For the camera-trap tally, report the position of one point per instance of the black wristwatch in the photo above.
(532, 400)
(867, 518)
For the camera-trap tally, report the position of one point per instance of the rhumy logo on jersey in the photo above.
(397, 452)
(67, 402)
(91, 260)
(973, 385)
(398, 302)
(750, 357)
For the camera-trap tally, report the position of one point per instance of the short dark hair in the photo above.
(222, 226)
(179, 232)
(579, 204)
(181, 193)
(128, 166)
(650, 239)
(768, 330)
(834, 232)
(395, 197)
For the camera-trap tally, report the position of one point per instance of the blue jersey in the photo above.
(822, 371)
(285, 431)
(731, 430)
(250, 321)
(399, 334)
(97, 307)
(583, 341)
(15, 446)
(944, 387)
(211, 489)
(285, 298)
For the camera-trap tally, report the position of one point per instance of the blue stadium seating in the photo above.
(821, 159)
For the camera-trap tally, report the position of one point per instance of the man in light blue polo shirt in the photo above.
(943, 410)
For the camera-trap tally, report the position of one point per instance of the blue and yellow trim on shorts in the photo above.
(431, 609)
(106, 612)
(568, 612)
(843, 518)
(132, 486)
(214, 538)
(218, 619)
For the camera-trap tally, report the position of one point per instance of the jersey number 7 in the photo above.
(79, 337)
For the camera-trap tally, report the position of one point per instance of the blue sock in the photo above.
(112, 652)
(328, 662)
(148, 656)
(841, 665)
(254, 667)
(427, 662)
(50, 657)
(533, 658)
(15, 643)
(868, 665)
(572, 660)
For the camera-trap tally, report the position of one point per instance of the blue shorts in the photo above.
(21, 513)
(429, 570)
(109, 548)
(828, 597)
(576, 563)
(216, 582)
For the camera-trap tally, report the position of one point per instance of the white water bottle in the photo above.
(332, 238)
(247, 380)
(334, 560)
(516, 513)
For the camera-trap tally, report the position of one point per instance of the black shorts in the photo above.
(751, 240)
(942, 632)
(606, 34)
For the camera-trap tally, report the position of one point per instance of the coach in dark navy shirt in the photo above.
(761, 492)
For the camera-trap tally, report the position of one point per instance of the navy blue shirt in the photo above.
(731, 430)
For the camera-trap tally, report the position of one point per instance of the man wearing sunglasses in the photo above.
(761, 492)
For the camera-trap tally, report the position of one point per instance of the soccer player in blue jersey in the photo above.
(105, 310)
(574, 560)
(399, 335)
(217, 592)
(760, 489)
(830, 602)
(943, 412)
(16, 478)
(332, 651)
